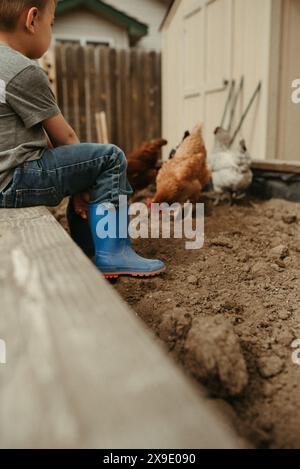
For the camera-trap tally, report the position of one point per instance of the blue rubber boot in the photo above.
(114, 254)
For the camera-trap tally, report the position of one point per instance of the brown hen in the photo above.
(184, 177)
(143, 164)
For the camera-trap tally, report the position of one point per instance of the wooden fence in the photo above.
(125, 84)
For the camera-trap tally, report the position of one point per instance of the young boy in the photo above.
(32, 174)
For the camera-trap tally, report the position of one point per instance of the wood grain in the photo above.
(277, 166)
(82, 371)
(125, 84)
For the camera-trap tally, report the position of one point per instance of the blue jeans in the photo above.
(65, 171)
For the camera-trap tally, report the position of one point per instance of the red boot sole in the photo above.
(133, 274)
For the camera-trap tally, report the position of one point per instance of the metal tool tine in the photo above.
(235, 101)
(257, 90)
(231, 89)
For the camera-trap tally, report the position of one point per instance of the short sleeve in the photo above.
(29, 94)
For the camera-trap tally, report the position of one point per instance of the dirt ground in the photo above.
(228, 314)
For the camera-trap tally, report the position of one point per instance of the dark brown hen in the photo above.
(144, 163)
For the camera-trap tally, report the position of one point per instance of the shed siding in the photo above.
(251, 55)
(289, 113)
(217, 40)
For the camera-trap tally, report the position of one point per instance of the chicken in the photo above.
(143, 164)
(183, 178)
(173, 151)
(192, 143)
(231, 173)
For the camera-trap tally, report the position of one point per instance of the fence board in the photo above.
(147, 79)
(88, 97)
(92, 78)
(76, 77)
(59, 89)
(137, 97)
(120, 105)
(72, 103)
(125, 84)
(82, 95)
(65, 103)
(101, 96)
(112, 85)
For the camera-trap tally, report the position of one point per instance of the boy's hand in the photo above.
(80, 203)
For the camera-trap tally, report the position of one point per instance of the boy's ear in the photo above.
(31, 19)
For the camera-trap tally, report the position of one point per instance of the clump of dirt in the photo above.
(213, 355)
(228, 313)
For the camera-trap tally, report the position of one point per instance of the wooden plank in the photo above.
(158, 94)
(152, 91)
(112, 84)
(101, 127)
(119, 100)
(126, 100)
(82, 371)
(277, 166)
(69, 63)
(146, 132)
(154, 108)
(82, 95)
(136, 115)
(92, 80)
(143, 95)
(101, 90)
(59, 87)
(65, 84)
(89, 116)
(76, 77)
(105, 76)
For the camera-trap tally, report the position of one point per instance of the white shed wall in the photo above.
(205, 42)
(288, 147)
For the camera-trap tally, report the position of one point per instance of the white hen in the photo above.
(231, 173)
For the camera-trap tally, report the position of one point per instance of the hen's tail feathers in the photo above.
(155, 145)
(147, 149)
(173, 151)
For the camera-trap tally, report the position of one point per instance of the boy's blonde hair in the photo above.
(10, 11)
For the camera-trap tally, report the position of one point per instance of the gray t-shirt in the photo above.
(26, 100)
